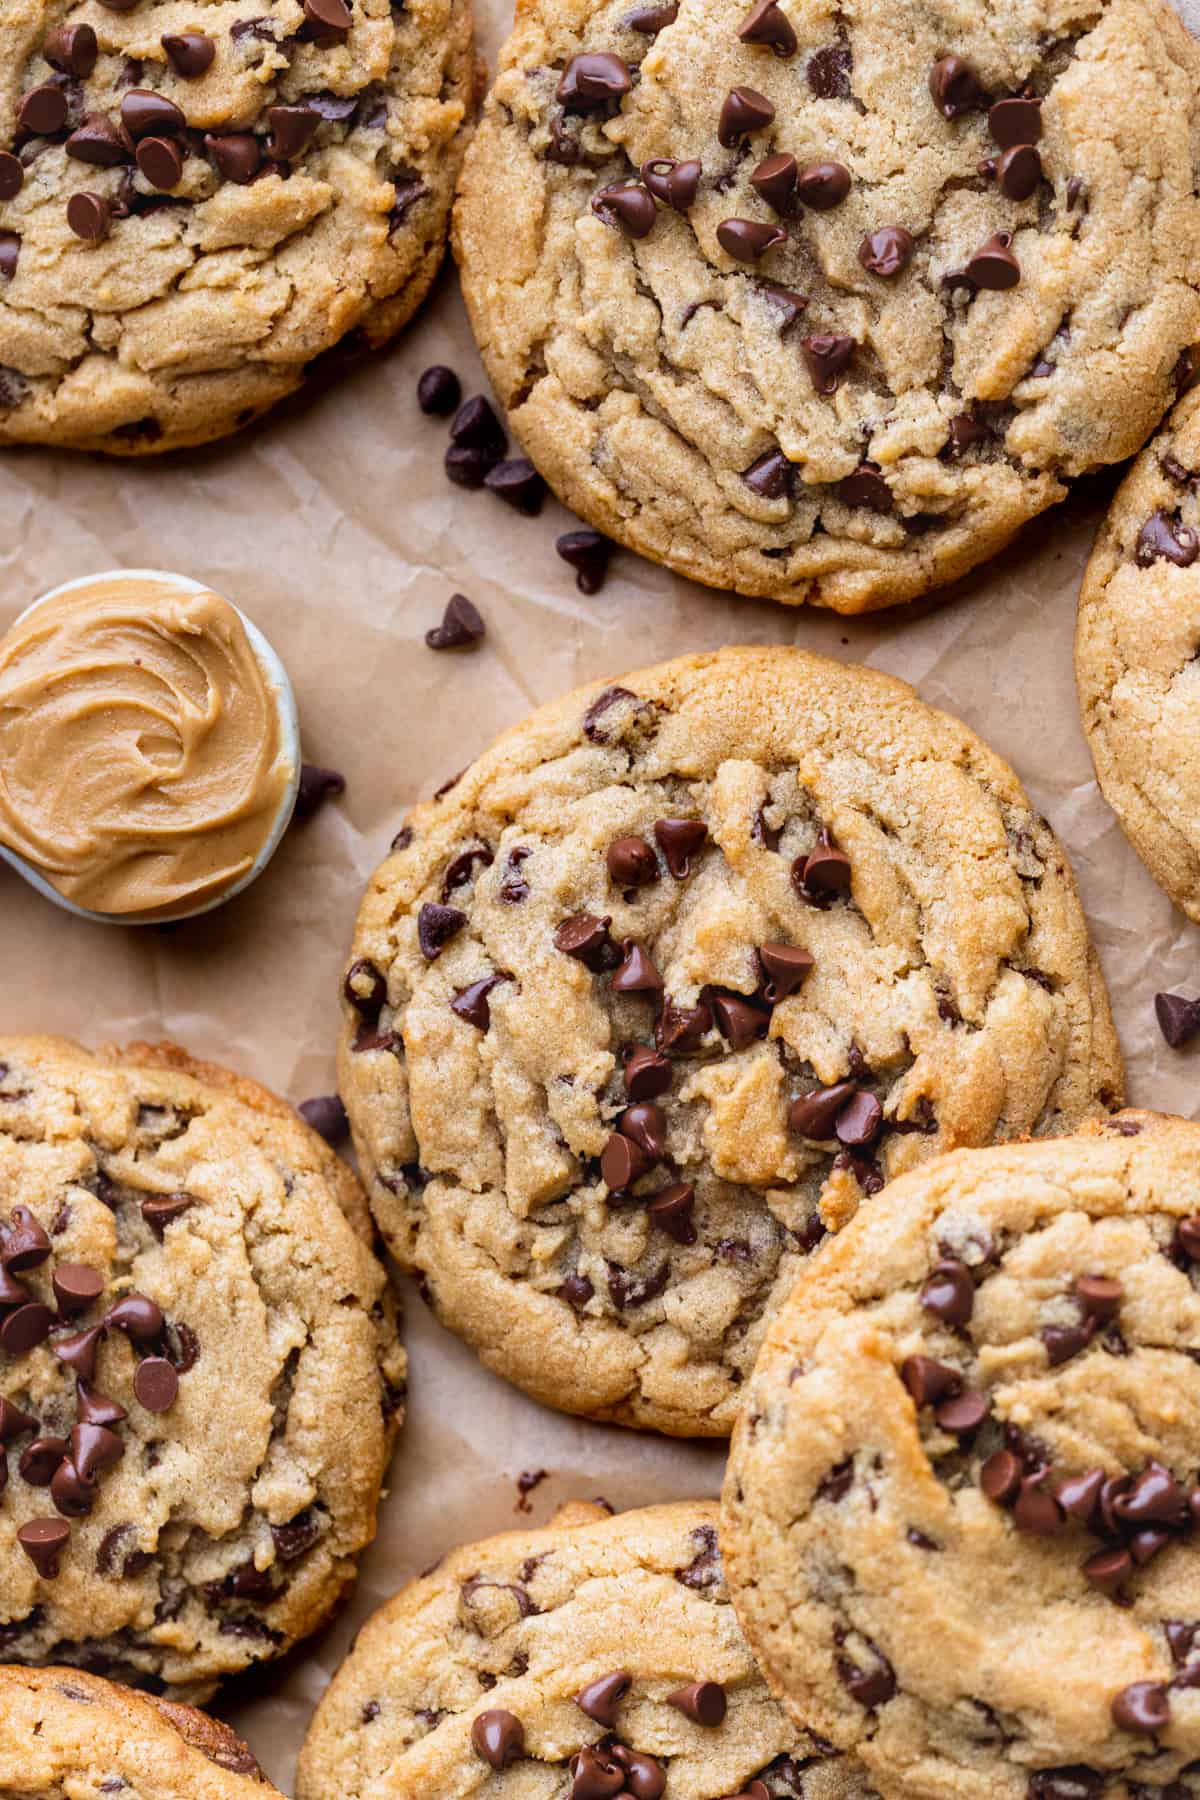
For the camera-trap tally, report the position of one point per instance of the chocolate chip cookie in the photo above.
(200, 1377)
(197, 203)
(962, 1502)
(823, 304)
(682, 968)
(596, 1656)
(1135, 656)
(64, 1732)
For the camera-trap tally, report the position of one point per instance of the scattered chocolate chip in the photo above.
(10, 251)
(436, 925)
(498, 1737)
(1164, 539)
(823, 185)
(12, 175)
(739, 1020)
(767, 23)
(317, 785)
(1017, 121)
(471, 1003)
(156, 1384)
(1143, 1707)
(73, 1495)
(25, 1328)
(595, 1775)
(328, 21)
(645, 1777)
(601, 1698)
(26, 1244)
(622, 1162)
(1018, 173)
(73, 49)
(1035, 1511)
(825, 871)
(860, 1121)
(1178, 1018)
(1079, 1495)
(40, 1459)
(78, 1352)
(774, 180)
(475, 425)
(588, 553)
(95, 1448)
(1000, 1477)
(438, 391)
(89, 216)
(1100, 1296)
(146, 114)
(748, 239)
(236, 155)
(160, 162)
(43, 110)
(828, 72)
(292, 131)
(962, 1413)
(647, 1074)
(76, 1287)
(646, 1124)
(674, 183)
(14, 1422)
(870, 1687)
(593, 81)
(964, 430)
(190, 53)
(585, 937)
(137, 1316)
(949, 1294)
(631, 862)
(681, 1028)
(866, 488)
(1062, 1342)
(518, 483)
(650, 20)
(827, 355)
(461, 625)
(679, 840)
(886, 251)
(928, 1380)
(703, 1702)
(814, 1115)
(743, 111)
(770, 477)
(784, 967)
(576, 1290)
(1108, 1570)
(326, 1115)
(43, 1541)
(993, 265)
(955, 87)
(671, 1210)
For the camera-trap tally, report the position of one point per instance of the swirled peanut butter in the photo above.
(142, 762)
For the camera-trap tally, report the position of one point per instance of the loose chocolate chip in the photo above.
(160, 162)
(25, 1328)
(1013, 122)
(89, 216)
(518, 483)
(1062, 1342)
(674, 183)
(928, 1380)
(1143, 1707)
(72, 1494)
(95, 1448)
(475, 424)
(814, 1115)
(14, 1422)
(646, 1124)
(585, 937)
(784, 967)
(993, 265)
(138, 1316)
(436, 925)
(328, 21)
(870, 1687)
(317, 785)
(679, 840)
(828, 72)
(949, 1294)
(1034, 1510)
(78, 1352)
(12, 175)
(1079, 1495)
(774, 180)
(886, 251)
(963, 1413)
(645, 1777)
(1108, 1570)
(671, 1210)
(466, 466)
(860, 1120)
(471, 1003)
(588, 553)
(767, 23)
(326, 1115)
(631, 862)
(743, 111)
(748, 239)
(1164, 539)
(461, 625)
(825, 870)
(823, 185)
(1100, 1296)
(498, 1737)
(1000, 1477)
(866, 488)
(1018, 173)
(1155, 1498)
(438, 391)
(622, 1162)
(827, 355)
(76, 1286)
(955, 87)
(146, 114)
(601, 1698)
(366, 989)
(26, 1245)
(43, 110)
(682, 1028)
(650, 20)
(190, 53)
(739, 1020)
(703, 1702)
(595, 1775)
(73, 49)
(43, 1540)
(96, 141)
(40, 1459)
(647, 1074)
(593, 81)
(292, 131)
(156, 1384)
(1178, 1018)
(770, 477)
(12, 1292)
(236, 155)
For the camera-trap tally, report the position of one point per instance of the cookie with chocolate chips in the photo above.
(669, 980)
(593, 1657)
(1135, 656)
(200, 1377)
(66, 1732)
(196, 204)
(824, 304)
(962, 1507)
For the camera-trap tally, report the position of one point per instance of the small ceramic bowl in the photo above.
(280, 688)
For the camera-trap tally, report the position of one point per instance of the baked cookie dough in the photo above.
(200, 1379)
(197, 202)
(823, 303)
(600, 1653)
(1135, 656)
(683, 966)
(961, 1507)
(63, 1732)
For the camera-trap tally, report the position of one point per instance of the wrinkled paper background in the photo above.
(334, 527)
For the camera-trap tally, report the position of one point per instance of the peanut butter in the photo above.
(142, 761)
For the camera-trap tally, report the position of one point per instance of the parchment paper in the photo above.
(334, 527)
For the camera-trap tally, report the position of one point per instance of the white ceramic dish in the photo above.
(277, 681)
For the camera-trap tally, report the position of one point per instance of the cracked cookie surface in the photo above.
(200, 1378)
(961, 1508)
(811, 369)
(623, 1612)
(197, 202)
(672, 975)
(1135, 656)
(63, 1732)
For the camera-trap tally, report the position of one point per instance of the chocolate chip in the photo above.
(1035, 1511)
(365, 989)
(671, 1210)
(136, 1315)
(647, 1074)
(40, 1459)
(26, 1244)
(949, 1294)
(146, 114)
(595, 1775)
(10, 251)
(622, 1162)
(95, 1448)
(814, 1115)
(12, 1292)
(326, 1115)
(631, 862)
(646, 1124)
(1178, 1018)
(190, 53)
(576, 1290)
(328, 21)
(160, 162)
(588, 553)
(475, 424)
(748, 239)
(72, 1494)
(1187, 1238)
(89, 216)
(784, 967)
(156, 1384)
(1155, 1498)
(76, 1286)
(993, 265)
(679, 840)
(1164, 539)
(703, 1702)
(866, 488)
(1143, 1707)
(292, 130)
(825, 870)
(674, 183)
(25, 1328)
(828, 72)
(461, 625)
(498, 1737)
(739, 1020)
(767, 23)
(886, 251)
(964, 430)
(317, 785)
(438, 391)
(73, 49)
(827, 355)
(1013, 122)
(593, 81)
(928, 1380)
(14, 1422)
(236, 155)
(1079, 1495)
(518, 483)
(43, 110)
(774, 180)
(963, 1413)
(1062, 1342)
(860, 1121)
(770, 477)
(1108, 1570)
(1000, 1477)
(585, 937)
(12, 175)
(823, 185)
(1099, 1296)
(650, 20)
(955, 87)
(1018, 173)
(43, 1541)
(601, 1698)
(78, 1352)
(682, 1028)
(436, 925)
(645, 1777)
(471, 1003)
(870, 1687)
(743, 111)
